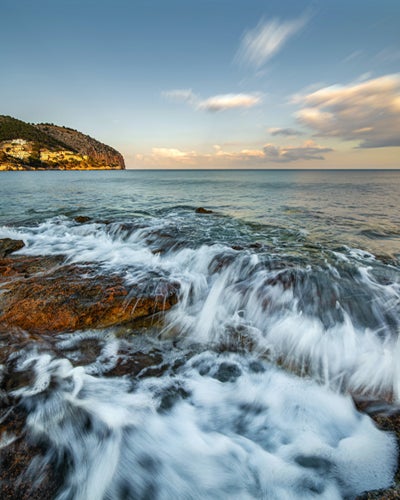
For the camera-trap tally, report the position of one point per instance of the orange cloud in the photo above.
(174, 157)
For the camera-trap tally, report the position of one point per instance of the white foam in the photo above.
(231, 427)
(244, 296)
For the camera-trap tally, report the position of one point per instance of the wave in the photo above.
(255, 432)
(333, 315)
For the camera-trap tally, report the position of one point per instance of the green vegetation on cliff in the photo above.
(25, 146)
(11, 128)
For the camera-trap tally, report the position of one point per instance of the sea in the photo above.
(288, 313)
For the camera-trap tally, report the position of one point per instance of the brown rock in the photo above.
(81, 219)
(70, 297)
(7, 246)
(202, 210)
(20, 476)
(23, 267)
(16, 483)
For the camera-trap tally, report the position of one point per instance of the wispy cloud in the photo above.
(353, 55)
(229, 101)
(284, 154)
(267, 39)
(368, 112)
(180, 95)
(215, 103)
(286, 132)
(388, 55)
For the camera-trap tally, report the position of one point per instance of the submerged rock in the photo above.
(7, 246)
(41, 296)
(202, 210)
(82, 219)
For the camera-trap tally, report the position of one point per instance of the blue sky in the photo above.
(211, 83)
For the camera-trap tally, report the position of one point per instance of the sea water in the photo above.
(289, 302)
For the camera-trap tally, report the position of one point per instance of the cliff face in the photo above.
(24, 146)
(84, 144)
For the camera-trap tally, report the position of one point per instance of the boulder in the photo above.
(7, 246)
(41, 296)
(202, 210)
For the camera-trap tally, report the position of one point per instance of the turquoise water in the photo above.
(289, 306)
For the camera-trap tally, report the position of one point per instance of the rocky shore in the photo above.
(41, 297)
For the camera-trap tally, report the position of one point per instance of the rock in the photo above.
(23, 472)
(201, 210)
(23, 266)
(84, 144)
(16, 481)
(82, 219)
(70, 297)
(7, 246)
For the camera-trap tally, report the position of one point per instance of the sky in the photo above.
(211, 83)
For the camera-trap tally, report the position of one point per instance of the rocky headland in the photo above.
(46, 146)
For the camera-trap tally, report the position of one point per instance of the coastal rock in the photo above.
(82, 219)
(23, 473)
(202, 210)
(44, 297)
(18, 477)
(7, 246)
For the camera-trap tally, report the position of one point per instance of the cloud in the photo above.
(174, 157)
(353, 55)
(368, 112)
(214, 103)
(266, 39)
(287, 132)
(388, 55)
(173, 154)
(285, 154)
(229, 101)
(180, 95)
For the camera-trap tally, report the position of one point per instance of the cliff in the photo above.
(25, 146)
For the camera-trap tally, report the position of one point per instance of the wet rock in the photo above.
(171, 396)
(138, 364)
(221, 262)
(23, 267)
(82, 219)
(227, 372)
(202, 210)
(23, 474)
(19, 480)
(70, 297)
(7, 246)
